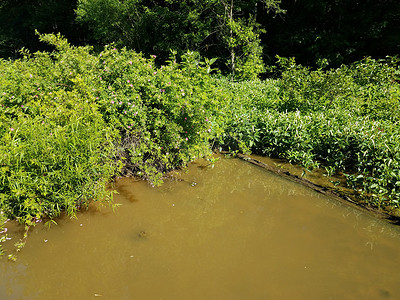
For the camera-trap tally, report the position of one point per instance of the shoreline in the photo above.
(338, 193)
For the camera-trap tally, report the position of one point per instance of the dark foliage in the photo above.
(20, 18)
(339, 31)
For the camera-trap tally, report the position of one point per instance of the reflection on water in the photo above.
(232, 231)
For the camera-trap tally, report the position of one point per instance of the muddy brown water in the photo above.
(225, 231)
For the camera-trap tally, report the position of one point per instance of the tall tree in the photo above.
(226, 29)
(241, 34)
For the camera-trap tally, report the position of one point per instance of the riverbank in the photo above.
(73, 119)
(344, 121)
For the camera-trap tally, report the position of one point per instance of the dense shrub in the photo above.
(72, 119)
(165, 113)
(368, 88)
(344, 120)
(54, 161)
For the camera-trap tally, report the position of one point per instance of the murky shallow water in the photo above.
(233, 231)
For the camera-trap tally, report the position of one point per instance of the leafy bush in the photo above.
(369, 88)
(71, 120)
(343, 120)
(54, 161)
(165, 113)
(56, 150)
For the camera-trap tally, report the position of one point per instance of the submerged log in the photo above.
(341, 196)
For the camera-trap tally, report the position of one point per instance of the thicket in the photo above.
(72, 119)
(343, 120)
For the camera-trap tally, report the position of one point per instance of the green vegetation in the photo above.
(313, 31)
(344, 120)
(71, 120)
(224, 29)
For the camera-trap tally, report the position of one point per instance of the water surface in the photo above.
(227, 231)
